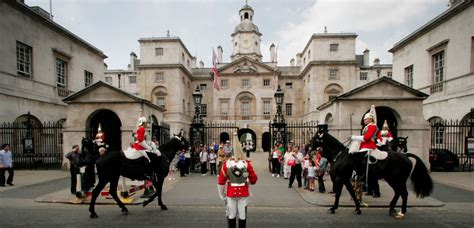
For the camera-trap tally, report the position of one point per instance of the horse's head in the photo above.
(401, 142)
(330, 145)
(182, 142)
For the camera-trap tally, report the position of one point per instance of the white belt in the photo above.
(237, 185)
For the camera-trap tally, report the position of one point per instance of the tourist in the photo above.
(75, 162)
(323, 164)
(296, 168)
(6, 164)
(276, 157)
(212, 162)
(311, 175)
(203, 159)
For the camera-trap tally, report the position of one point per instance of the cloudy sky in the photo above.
(114, 26)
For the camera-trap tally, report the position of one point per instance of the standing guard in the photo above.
(237, 173)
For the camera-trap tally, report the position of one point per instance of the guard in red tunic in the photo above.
(237, 173)
(99, 137)
(384, 136)
(140, 144)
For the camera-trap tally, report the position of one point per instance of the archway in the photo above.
(385, 113)
(246, 135)
(111, 127)
(224, 137)
(266, 141)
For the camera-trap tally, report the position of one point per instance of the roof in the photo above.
(165, 39)
(53, 25)
(98, 84)
(245, 58)
(246, 26)
(415, 92)
(246, 7)
(440, 19)
(328, 35)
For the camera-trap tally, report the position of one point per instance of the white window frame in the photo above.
(108, 80)
(88, 78)
(61, 70)
(224, 83)
(203, 110)
(161, 101)
(266, 82)
(224, 108)
(289, 109)
(409, 76)
(132, 79)
(245, 109)
(245, 83)
(203, 87)
(24, 59)
(159, 51)
(364, 76)
(159, 76)
(266, 107)
(333, 74)
(333, 47)
(289, 85)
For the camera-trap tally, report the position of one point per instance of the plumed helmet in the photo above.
(141, 120)
(99, 129)
(238, 152)
(385, 124)
(371, 114)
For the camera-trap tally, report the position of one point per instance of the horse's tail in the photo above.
(421, 179)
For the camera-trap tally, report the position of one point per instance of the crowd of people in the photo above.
(305, 165)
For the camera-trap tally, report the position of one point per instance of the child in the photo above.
(311, 175)
(306, 164)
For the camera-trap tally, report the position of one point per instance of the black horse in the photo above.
(90, 152)
(395, 169)
(111, 166)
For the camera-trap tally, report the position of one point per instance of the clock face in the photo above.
(246, 44)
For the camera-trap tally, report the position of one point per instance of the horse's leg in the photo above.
(113, 193)
(95, 194)
(149, 200)
(404, 194)
(338, 189)
(159, 188)
(349, 188)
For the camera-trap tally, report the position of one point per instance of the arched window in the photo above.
(332, 91)
(246, 16)
(159, 95)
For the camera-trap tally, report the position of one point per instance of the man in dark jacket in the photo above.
(76, 161)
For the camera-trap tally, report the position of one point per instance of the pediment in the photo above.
(245, 65)
(385, 90)
(101, 92)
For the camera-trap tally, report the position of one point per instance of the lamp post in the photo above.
(197, 125)
(279, 124)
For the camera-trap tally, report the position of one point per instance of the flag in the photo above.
(214, 73)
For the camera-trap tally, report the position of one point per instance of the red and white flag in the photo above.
(215, 74)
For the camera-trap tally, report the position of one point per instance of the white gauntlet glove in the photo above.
(359, 138)
(220, 190)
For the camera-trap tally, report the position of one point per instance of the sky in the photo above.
(114, 26)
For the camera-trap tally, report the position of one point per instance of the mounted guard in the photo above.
(99, 139)
(237, 173)
(384, 137)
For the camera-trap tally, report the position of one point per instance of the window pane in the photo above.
(224, 83)
(132, 79)
(363, 76)
(245, 109)
(158, 51)
(245, 83)
(88, 78)
(289, 85)
(266, 107)
(61, 69)
(266, 82)
(23, 59)
(159, 77)
(204, 110)
(289, 109)
(160, 102)
(225, 108)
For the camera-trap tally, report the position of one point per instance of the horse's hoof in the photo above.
(400, 216)
(357, 212)
(94, 216)
(124, 211)
(392, 212)
(164, 208)
(145, 203)
(331, 211)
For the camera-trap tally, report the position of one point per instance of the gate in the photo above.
(296, 133)
(34, 145)
(161, 132)
(449, 139)
(208, 133)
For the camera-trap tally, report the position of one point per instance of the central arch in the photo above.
(111, 127)
(243, 135)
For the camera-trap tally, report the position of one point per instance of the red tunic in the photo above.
(388, 135)
(140, 137)
(240, 191)
(369, 137)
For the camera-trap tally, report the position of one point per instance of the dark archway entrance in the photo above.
(266, 141)
(111, 126)
(385, 113)
(224, 137)
(243, 136)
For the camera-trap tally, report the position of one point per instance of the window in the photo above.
(363, 76)
(224, 83)
(304, 61)
(389, 74)
(409, 76)
(23, 59)
(333, 74)
(61, 73)
(203, 110)
(289, 85)
(159, 77)
(160, 102)
(245, 110)
(108, 80)
(266, 107)
(333, 47)
(224, 108)
(88, 78)
(182, 57)
(132, 79)
(245, 83)
(203, 87)
(158, 51)
(289, 109)
(266, 82)
(438, 72)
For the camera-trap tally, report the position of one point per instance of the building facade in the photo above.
(438, 59)
(327, 66)
(42, 63)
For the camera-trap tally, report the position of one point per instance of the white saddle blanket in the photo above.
(379, 155)
(132, 154)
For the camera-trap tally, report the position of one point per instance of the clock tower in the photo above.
(246, 37)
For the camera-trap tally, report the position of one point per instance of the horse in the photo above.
(395, 169)
(91, 154)
(398, 144)
(111, 166)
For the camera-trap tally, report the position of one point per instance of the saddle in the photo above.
(136, 168)
(378, 154)
(131, 154)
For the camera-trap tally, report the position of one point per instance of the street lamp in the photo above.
(197, 96)
(279, 125)
(197, 125)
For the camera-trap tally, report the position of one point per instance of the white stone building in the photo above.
(438, 59)
(42, 63)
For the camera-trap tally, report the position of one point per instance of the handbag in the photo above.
(292, 162)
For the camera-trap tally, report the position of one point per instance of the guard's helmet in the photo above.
(141, 121)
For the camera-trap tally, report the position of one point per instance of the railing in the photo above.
(438, 87)
(63, 92)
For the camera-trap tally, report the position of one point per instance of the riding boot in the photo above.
(231, 223)
(242, 223)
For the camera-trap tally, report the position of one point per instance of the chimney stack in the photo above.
(133, 58)
(366, 57)
(201, 64)
(273, 58)
(292, 62)
(220, 51)
(376, 61)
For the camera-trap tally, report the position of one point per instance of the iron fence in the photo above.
(296, 133)
(34, 145)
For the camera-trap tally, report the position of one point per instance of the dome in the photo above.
(246, 27)
(246, 7)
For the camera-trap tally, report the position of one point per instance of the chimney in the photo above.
(366, 57)
(376, 61)
(299, 60)
(201, 64)
(220, 51)
(292, 62)
(272, 53)
(133, 58)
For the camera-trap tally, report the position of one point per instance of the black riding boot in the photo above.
(231, 223)
(242, 223)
